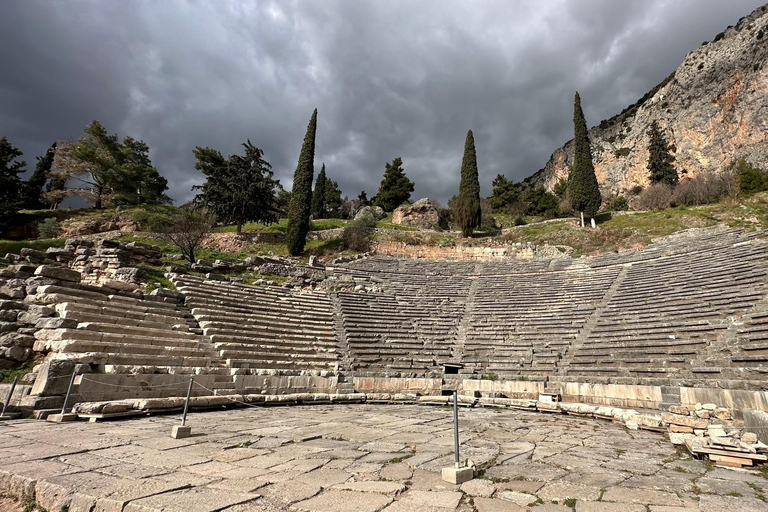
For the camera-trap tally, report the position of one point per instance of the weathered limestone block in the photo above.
(53, 377)
(56, 323)
(33, 255)
(34, 313)
(62, 274)
(579, 409)
(687, 421)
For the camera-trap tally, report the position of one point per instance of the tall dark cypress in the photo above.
(661, 163)
(301, 194)
(584, 190)
(318, 196)
(468, 205)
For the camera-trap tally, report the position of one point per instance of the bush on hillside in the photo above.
(704, 189)
(49, 228)
(751, 179)
(357, 237)
(618, 204)
(656, 197)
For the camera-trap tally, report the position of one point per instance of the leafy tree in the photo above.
(318, 196)
(33, 188)
(333, 200)
(395, 188)
(186, 228)
(238, 189)
(468, 214)
(505, 193)
(584, 190)
(120, 173)
(301, 194)
(10, 183)
(661, 162)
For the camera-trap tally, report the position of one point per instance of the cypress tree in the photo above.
(301, 194)
(660, 160)
(318, 196)
(584, 190)
(468, 202)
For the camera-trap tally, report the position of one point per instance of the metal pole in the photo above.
(456, 427)
(186, 403)
(69, 390)
(10, 394)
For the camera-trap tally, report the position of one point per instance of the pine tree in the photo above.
(10, 183)
(505, 193)
(395, 188)
(318, 196)
(238, 189)
(468, 201)
(33, 188)
(120, 173)
(333, 201)
(584, 190)
(660, 160)
(301, 194)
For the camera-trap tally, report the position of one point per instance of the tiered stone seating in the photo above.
(98, 327)
(412, 328)
(669, 310)
(523, 324)
(264, 328)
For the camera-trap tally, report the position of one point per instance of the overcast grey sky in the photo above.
(389, 78)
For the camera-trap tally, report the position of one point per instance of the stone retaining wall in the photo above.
(465, 253)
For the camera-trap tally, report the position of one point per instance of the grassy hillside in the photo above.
(619, 231)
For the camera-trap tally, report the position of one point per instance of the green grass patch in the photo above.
(15, 246)
(323, 224)
(280, 226)
(7, 375)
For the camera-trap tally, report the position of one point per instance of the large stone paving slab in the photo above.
(360, 458)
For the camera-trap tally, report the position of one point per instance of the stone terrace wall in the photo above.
(465, 253)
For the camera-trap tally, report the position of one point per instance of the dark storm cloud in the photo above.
(388, 78)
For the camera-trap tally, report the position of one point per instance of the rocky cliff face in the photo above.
(714, 109)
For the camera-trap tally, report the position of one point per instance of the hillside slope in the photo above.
(714, 109)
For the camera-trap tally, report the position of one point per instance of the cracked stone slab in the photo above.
(199, 499)
(343, 501)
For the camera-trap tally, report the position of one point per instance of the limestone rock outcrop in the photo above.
(713, 109)
(425, 214)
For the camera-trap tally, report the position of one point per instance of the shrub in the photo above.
(751, 179)
(49, 228)
(704, 189)
(656, 197)
(357, 236)
(636, 190)
(618, 204)
(520, 221)
(622, 152)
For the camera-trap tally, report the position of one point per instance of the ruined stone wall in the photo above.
(465, 253)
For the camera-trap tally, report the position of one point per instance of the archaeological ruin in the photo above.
(670, 339)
